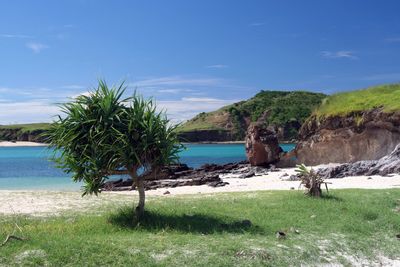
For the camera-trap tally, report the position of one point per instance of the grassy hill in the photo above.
(341, 104)
(285, 109)
(23, 132)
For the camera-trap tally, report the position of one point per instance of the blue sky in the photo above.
(192, 56)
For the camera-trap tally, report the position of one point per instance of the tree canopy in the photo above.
(102, 132)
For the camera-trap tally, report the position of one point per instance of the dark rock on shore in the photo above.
(182, 175)
(384, 166)
(262, 146)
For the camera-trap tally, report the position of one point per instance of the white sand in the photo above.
(273, 181)
(47, 202)
(20, 143)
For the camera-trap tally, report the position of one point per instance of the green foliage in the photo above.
(103, 132)
(341, 104)
(310, 179)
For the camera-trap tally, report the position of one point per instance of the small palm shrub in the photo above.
(311, 180)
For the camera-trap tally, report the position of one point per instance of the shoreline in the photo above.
(35, 144)
(21, 144)
(47, 202)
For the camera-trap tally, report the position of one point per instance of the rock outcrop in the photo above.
(182, 175)
(262, 146)
(364, 135)
(384, 166)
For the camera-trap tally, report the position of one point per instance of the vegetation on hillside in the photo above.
(341, 104)
(345, 228)
(27, 127)
(287, 109)
(23, 132)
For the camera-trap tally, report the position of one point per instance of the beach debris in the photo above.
(313, 216)
(10, 237)
(292, 188)
(369, 178)
(166, 193)
(247, 175)
(294, 230)
(280, 235)
(284, 175)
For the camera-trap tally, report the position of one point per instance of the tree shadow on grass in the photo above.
(329, 196)
(196, 223)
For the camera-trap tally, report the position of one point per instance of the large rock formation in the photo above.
(262, 146)
(364, 135)
(384, 166)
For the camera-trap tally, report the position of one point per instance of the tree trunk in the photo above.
(315, 191)
(139, 183)
(140, 188)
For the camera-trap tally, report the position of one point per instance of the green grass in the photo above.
(209, 231)
(386, 96)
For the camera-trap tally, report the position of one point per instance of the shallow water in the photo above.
(29, 167)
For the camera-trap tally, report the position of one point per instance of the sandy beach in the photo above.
(20, 143)
(53, 202)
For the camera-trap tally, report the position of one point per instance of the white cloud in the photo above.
(186, 108)
(27, 112)
(36, 47)
(170, 91)
(257, 24)
(389, 77)
(73, 86)
(339, 54)
(217, 66)
(177, 80)
(393, 40)
(18, 36)
(202, 99)
(42, 111)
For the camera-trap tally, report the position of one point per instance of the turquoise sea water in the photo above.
(29, 168)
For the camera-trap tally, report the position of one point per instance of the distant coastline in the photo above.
(21, 144)
(215, 142)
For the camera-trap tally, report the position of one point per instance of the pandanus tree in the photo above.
(102, 133)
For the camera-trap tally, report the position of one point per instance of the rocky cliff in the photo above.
(366, 135)
(352, 126)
